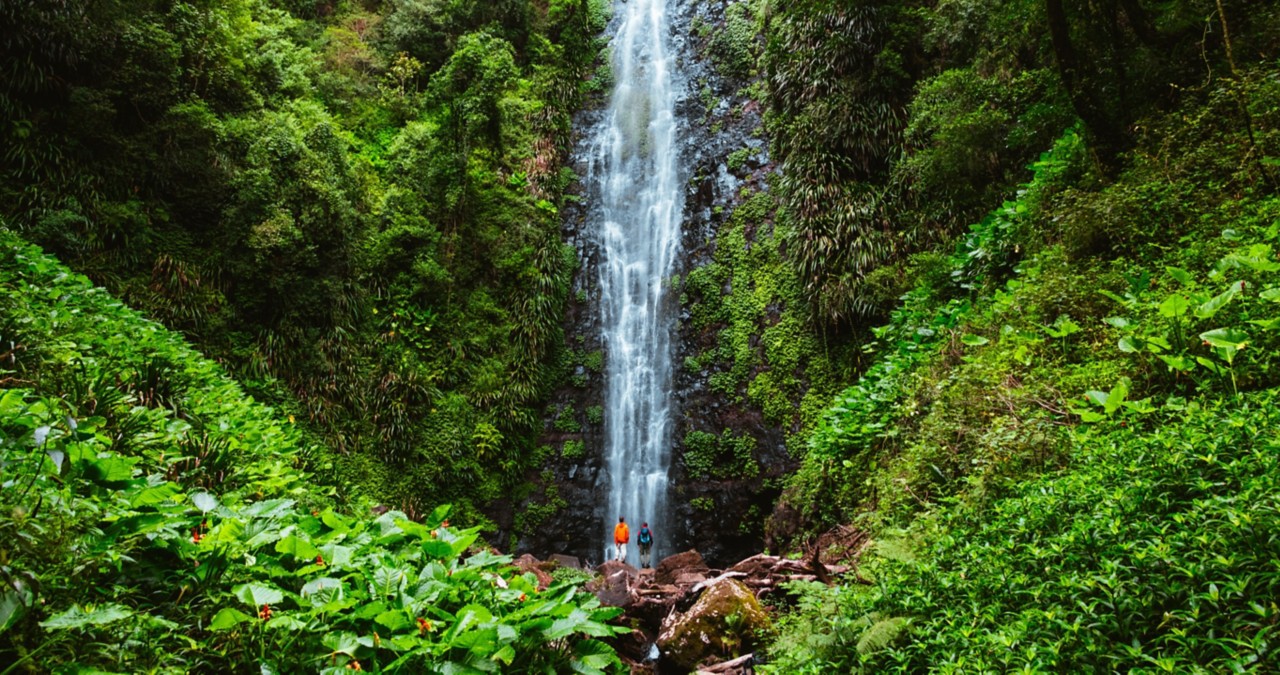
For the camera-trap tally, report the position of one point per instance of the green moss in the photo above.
(566, 422)
(725, 457)
(573, 449)
(594, 361)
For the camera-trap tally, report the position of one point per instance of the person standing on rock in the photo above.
(645, 541)
(621, 535)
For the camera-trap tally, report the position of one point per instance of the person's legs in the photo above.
(644, 555)
(622, 552)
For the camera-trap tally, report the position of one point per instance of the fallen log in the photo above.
(727, 666)
(703, 584)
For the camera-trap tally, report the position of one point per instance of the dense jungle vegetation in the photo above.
(1065, 218)
(1061, 219)
(352, 206)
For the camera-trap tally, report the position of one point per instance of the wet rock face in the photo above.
(721, 517)
(723, 623)
(563, 512)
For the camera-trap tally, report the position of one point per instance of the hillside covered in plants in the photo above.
(989, 287)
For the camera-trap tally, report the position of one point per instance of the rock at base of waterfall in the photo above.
(615, 584)
(572, 562)
(707, 629)
(671, 567)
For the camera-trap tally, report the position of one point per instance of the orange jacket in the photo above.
(621, 534)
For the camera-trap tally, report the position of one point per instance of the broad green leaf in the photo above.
(414, 529)
(1127, 345)
(269, 509)
(1117, 322)
(14, 602)
(341, 642)
(109, 470)
(438, 515)
(337, 555)
(322, 591)
(297, 547)
(461, 543)
(1127, 301)
(1272, 294)
(286, 622)
(595, 654)
(472, 615)
(388, 581)
(227, 619)
(504, 655)
(334, 521)
(394, 619)
(204, 501)
(1179, 363)
(1210, 365)
(1210, 307)
(1180, 275)
(1116, 397)
(1098, 397)
(1088, 416)
(153, 494)
(567, 626)
(437, 548)
(1229, 338)
(387, 523)
(1142, 406)
(482, 640)
(76, 617)
(1174, 306)
(256, 595)
(974, 340)
(12, 403)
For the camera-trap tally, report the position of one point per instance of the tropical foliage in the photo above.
(352, 205)
(1059, 447)
(160, 520)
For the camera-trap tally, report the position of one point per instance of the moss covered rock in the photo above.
(722, 623)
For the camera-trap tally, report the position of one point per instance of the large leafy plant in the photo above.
(160, 520)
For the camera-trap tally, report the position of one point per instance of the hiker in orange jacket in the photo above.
(621, 534)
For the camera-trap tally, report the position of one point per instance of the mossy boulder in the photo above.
(723, 623)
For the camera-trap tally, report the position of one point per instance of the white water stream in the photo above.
(635, 182)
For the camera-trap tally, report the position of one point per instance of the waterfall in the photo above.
(635, 184)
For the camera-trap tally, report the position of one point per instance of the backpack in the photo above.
(646, 537)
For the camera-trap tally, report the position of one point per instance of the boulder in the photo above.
(570, 561)
(690, 578)
(672, 567)
(614, 587)
(528, 564)
(723, 623)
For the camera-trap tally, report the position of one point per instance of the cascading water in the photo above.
(634, 180)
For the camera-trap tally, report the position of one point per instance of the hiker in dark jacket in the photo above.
(645, 540)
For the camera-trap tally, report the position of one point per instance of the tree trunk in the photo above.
(1107, 138)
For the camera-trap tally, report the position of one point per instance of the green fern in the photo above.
(881, 633)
